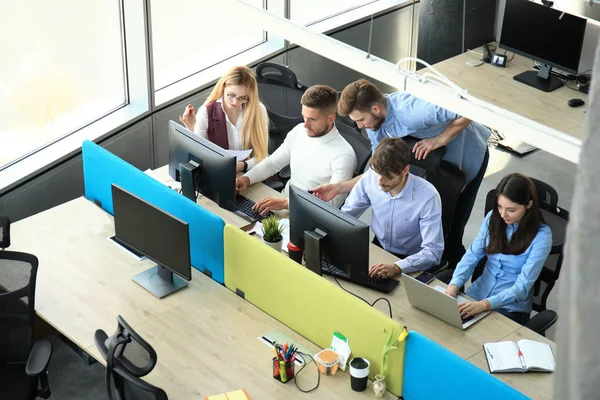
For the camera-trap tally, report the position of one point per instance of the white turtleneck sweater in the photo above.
(313, 161)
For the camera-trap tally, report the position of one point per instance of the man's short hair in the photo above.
(361, 96)
(321, 97)
(391, 156)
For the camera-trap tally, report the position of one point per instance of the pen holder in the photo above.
(283, 372)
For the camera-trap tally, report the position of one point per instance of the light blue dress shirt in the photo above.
(507, 280)
(408, 115)
(408, 223)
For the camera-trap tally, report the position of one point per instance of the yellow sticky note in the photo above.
(237, 395)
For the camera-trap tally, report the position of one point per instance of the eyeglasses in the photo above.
(241, 99)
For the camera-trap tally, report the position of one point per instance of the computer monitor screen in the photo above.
(209, 168)
(161, 237)
(346, 243)
(545, 34)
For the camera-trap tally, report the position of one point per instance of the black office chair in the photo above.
(360, 144)
(128, 358)
(23, 364)
(557, 218)
(4, 232)
(279, 89)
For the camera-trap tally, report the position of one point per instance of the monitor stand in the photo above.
(313, 249)
(187, 173)
(159, 281)
(541, 80)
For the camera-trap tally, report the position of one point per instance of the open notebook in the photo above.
(522, 356)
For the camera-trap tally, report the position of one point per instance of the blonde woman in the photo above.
(233, 117)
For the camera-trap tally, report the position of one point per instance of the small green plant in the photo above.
(271, 229)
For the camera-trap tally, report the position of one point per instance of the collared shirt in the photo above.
(313, 161)
(234, 132)
(408, 223)
(408, 115)
(507, 280)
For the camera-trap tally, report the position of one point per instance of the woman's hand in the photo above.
(452, 290)
(472, 308)
(189, 117)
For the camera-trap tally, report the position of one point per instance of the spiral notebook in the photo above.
(522, 356)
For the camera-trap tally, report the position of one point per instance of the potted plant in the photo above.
(272, 232)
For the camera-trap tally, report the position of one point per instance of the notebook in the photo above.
(237, 395)
(522, 356)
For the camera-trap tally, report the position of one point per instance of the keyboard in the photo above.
(467, 319)
(243, 208)
(379, 284)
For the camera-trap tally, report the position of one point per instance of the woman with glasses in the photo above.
(233, 117)
(516, 241)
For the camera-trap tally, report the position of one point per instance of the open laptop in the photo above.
(434, 301)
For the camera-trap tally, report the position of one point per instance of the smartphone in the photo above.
(425, 277)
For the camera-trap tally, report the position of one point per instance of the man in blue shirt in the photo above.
(407, 210)
(401, 114)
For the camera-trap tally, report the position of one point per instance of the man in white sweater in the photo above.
(315, 151)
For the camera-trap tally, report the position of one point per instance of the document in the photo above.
(240, 154)
(522, 356)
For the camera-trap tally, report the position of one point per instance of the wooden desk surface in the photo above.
(84, 281)
(495, 85)
(537, 385)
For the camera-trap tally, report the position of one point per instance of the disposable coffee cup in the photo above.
(359, 373)
(295, 253)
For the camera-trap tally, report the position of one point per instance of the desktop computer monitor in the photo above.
(202, 166)
(333, 241)
(163, 238)
(548, 36)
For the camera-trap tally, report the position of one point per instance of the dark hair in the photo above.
(519, 189)
(391, 156)
(360, 95)
(321, 97)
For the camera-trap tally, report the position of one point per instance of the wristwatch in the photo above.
(245, 166)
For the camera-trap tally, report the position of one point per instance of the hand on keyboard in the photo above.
(270, 204)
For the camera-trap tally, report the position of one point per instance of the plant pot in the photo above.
(273, 245)
(379, 385)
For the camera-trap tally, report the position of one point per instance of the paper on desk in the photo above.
(240, 154)
(284, 223)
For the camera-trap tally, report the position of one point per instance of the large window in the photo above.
(62, 67)
(307, 11)
(186, 40)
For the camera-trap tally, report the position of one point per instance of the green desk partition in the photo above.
(309, 304)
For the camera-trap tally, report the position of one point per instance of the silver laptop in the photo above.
(434, 301)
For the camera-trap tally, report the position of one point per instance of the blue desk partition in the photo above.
(101, 169)
(432, 372)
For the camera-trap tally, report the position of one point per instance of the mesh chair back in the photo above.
(4, 232)
(279, 127)
(129, 357)
(360, 144)
(279, 89)
(18, 273)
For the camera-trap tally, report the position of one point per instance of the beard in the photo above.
(377, 121)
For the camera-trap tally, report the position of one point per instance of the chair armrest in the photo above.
(39, 358)
(542, 321)
(285, 173)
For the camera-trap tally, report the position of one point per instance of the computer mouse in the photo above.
(575, 102)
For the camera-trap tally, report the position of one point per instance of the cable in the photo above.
(354, 294)
(301, 355)
(513, 56)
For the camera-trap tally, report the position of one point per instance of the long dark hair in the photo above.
(519, 189)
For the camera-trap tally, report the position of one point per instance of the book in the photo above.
(237, 395)
(522, 356)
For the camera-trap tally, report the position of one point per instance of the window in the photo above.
(308, 11)
(185, 40)
(62, 68)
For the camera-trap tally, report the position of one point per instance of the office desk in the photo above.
(205, 335)
(465, 343)
(495, 85)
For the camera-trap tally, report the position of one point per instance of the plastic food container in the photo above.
(328, 361)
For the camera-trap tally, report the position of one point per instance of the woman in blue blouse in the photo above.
(516, 241)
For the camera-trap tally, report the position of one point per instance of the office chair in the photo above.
(557, 219)
(279, 89)
(360, 144)
(128, 358)
(4, 232)
(23, 364)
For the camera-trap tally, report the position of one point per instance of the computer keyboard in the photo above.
(243, 207)
(381, 285)
(467, 319)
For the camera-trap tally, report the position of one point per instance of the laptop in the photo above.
(434, 301)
